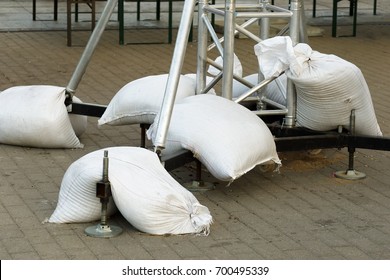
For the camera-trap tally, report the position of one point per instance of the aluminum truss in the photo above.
(280, 119)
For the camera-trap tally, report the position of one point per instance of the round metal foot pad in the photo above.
(104, 231)
(199, 186)
(350, 175)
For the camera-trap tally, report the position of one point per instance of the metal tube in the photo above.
(295, 20)
(212, 83)
(264, 22)
(201, 70)
(214, 37)
(351, 149)
(248, 22)
(291, 93)
(249, 34)
(244, 25)
(216, 65)
(263, 15)
(217, 6)
(103, 217)
(277, 9)
(273, 112)
(303, 37)
(228, 52)
(352, 118)
(104, 201)
(214, 11)
(174, 75)
(254, 89)
(105, 166)
(90, 48)
(273, 103)
(239, 6)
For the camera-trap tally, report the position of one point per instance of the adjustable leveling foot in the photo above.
(198, 185)
(351, 173)
(103, 191)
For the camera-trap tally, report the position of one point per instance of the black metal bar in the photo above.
(286, 139)
(334, 140)
(370, 142)
(280, 131)
(198, 170)
(178, 161)
(295, 143)
(144, 127)
(88, 109)
(121, 19)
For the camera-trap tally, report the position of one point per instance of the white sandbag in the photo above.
(237, 66)
(78, 122)
(328, 87)
(143, 191)
(275, 90)
(152, 201)
(139, 101)
(226, 137)
(35, 116)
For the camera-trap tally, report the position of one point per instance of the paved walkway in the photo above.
(303, 212)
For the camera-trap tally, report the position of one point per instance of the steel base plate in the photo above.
(199, 186)
(104, 231)
(350, 175)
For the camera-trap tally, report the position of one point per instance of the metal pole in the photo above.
(174, 75)
(289, 120)
(90, 48)
(103, 191)
(104, 200)
(303, 37)
(264, 22)
(264, 34)
(228, 52)
(202, 47)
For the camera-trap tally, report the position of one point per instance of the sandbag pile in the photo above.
(328, 87)
(35, 116)
(226, 137)
(142, 190)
